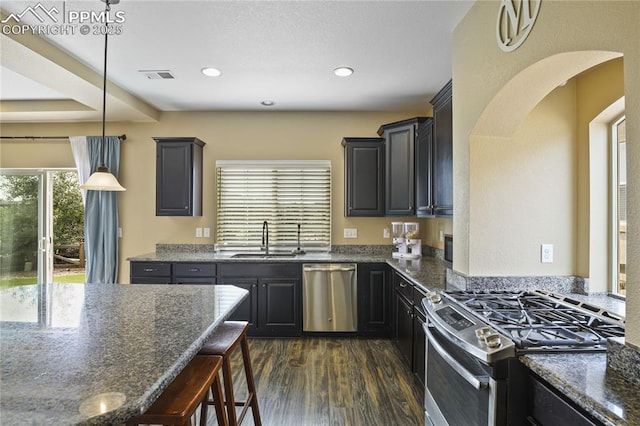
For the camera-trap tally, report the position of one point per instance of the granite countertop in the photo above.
(204, 256)
(586, 380)
(70, 352)
(427, 272)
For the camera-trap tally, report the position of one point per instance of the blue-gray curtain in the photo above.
(101, 216)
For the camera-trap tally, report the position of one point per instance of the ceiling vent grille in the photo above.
(157, 74)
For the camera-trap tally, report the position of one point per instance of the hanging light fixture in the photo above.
(102, 179)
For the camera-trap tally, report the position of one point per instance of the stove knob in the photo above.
(493, 340)
(434, 297)
(482, 332)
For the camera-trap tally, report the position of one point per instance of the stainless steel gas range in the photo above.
(473, 339)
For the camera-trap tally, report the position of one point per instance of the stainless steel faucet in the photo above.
(265, 237)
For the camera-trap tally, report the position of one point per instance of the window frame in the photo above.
(614, 218)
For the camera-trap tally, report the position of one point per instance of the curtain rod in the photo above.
(122, 137)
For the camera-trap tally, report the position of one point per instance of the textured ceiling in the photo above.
(284, 51)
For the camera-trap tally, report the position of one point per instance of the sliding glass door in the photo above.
(26, 227)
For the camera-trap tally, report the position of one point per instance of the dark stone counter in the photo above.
(99, 353)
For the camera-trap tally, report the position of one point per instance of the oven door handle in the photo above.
(475, 381)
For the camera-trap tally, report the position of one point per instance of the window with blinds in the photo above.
(284, 193)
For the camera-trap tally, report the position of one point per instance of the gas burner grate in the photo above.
(538, 322)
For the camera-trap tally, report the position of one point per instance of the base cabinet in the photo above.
(275, 298)
(547, 407)
(375, 305)
(248, 309)
(408, 319)
(404, 328)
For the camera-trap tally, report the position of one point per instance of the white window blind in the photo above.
(284, 193)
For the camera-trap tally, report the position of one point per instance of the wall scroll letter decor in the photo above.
(515, 21)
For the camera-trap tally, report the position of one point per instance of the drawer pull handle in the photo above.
(149, 269)
(194, 270)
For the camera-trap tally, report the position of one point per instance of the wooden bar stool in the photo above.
(222, 343)
(179, 401)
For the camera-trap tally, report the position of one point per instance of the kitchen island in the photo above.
(99, 353)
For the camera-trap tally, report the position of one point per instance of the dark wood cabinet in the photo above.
(404, 328)
(178, 176)
(248, 309)
(375, 304)
(547, 406)
(442, 174)
(424, 169)
(172, 273)
(364, 176)
(400, 137)
(409, 316)
(279, 306)
(275, 300)
(194, 273)
(150, 273)
(419, 338)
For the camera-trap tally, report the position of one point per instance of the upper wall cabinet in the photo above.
(178, 176)
(364, 176)
(442, 175)
(400, 177)
(424, 169)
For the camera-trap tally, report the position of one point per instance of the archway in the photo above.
(506, 126)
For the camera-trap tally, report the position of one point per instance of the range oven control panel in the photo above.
(453, 318)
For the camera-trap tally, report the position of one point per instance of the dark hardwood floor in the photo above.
(330, 381)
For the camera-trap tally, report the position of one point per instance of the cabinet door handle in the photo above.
(254, 286)
(403, 285)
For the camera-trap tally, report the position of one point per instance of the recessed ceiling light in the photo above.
(211, 72)
(267, 103)
(343, 71)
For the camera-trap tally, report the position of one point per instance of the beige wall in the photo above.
(497, 95)
(524, 188)
(228, 135)
(600, 100)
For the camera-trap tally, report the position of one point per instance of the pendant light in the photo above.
(102, 179)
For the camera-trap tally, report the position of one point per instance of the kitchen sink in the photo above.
(261, 255)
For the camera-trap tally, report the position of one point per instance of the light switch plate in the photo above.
(207, 233)
(351, 232)
(198, 232)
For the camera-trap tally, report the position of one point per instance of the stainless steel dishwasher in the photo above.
(329, 297)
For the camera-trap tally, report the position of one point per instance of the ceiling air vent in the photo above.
(157, 74)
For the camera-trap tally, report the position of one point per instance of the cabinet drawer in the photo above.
(418, 295)
(150, 280)
(404, 287)
(194, 269)
(150, 269)
(241, 269)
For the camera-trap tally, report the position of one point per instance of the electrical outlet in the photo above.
(119, 232)
(386, 233)
(546, 253)
(207, 232)
(198, 232)
(351, 232)
(441, 235)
